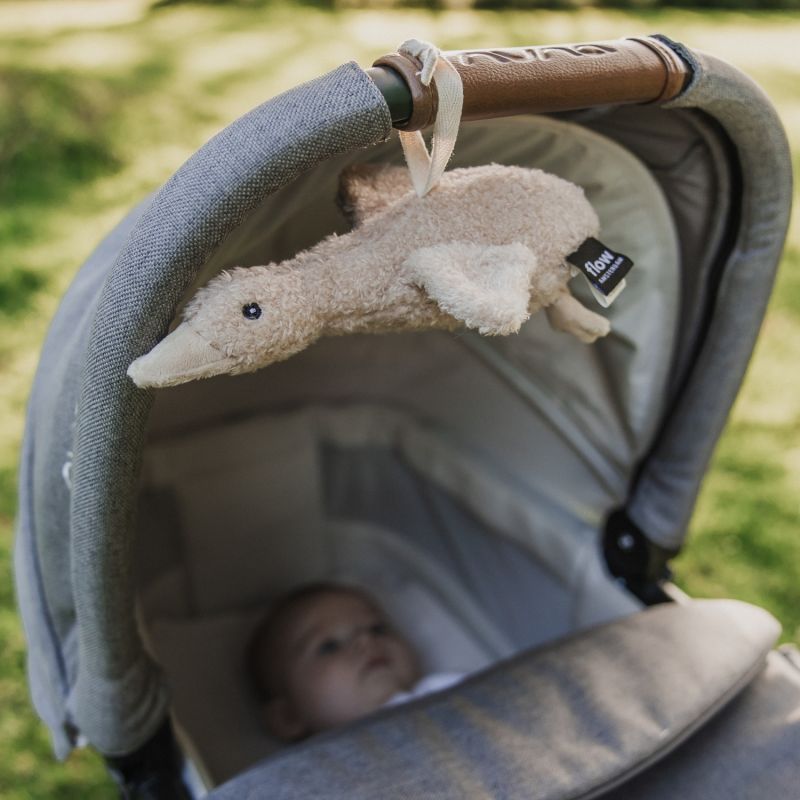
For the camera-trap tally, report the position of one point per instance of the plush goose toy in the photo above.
(483, 250)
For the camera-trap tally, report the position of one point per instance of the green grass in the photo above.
(100, 102)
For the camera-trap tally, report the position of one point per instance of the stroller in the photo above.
(513, 501)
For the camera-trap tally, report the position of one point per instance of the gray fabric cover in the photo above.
(749, 751)
(43, 543)
(665, 494)
(84, 403)
(566, 721)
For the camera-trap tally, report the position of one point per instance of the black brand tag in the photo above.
(601, 265)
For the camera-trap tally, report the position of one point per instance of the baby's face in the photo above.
(340, 659)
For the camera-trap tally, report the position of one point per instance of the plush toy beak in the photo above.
(181, 356)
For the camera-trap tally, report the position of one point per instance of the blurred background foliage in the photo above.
(101, 100)
(522, 5)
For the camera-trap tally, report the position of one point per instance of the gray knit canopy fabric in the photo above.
(88, 668)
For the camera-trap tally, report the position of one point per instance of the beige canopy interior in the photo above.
(462, 479)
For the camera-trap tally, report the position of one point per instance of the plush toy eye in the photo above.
(251, 311)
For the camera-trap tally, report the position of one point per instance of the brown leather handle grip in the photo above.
(522, 80)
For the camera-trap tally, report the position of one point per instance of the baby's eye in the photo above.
(328, 647)
(379, 629)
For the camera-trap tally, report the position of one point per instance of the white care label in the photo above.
(604, 269)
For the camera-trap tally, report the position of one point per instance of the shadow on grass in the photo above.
(18, 286)
(52, 137)
(58, 130)
(744, 540)
(53, 134)
(786, 295)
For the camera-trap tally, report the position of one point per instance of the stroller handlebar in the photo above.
(523, 80)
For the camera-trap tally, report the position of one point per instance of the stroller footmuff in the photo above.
(601, 718)
(512, 501)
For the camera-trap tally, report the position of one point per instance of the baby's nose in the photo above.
(362, 639)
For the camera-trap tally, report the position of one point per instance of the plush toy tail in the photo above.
(568, 315)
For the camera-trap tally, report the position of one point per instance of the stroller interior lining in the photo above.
(459, 451)
(608, 418)
(248, 522)
(689, 155)
(360, 494)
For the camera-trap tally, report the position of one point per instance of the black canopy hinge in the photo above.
(153, 772)
(635, 560)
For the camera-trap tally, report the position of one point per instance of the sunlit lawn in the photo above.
(101, 101)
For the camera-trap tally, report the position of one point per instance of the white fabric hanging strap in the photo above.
(425, 168)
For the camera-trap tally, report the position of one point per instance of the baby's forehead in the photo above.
(319, 614)
(331, 604)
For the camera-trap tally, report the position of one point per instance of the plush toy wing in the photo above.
(485, 286)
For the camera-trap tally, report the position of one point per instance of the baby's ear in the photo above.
(283, 721)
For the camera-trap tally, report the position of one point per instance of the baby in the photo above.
(326, 655)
